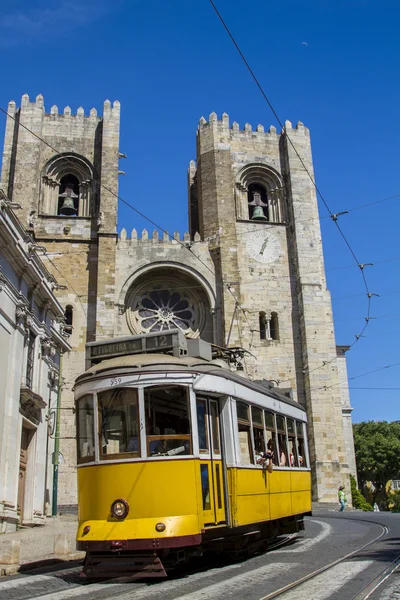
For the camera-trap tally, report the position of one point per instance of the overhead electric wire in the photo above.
(134, 209)
(333, 216)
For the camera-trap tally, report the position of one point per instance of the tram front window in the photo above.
(167, 421)
(85, 429)
(119, 424)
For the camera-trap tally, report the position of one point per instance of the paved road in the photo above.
(327, 538)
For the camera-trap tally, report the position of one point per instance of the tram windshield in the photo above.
(118, 423)
(167, 421)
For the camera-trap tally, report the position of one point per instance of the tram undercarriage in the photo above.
(139, 559)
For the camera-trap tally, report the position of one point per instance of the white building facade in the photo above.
(31, 343)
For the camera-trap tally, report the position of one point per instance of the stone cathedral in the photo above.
(259, 284)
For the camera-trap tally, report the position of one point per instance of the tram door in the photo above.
(211, 471)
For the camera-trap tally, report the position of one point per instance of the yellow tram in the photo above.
(169, 445)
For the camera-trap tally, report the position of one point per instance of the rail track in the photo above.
(364, 594)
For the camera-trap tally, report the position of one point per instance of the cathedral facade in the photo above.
(248, 274)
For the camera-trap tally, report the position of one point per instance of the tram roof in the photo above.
(153, 362)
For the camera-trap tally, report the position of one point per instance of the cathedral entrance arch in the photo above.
(167, 297)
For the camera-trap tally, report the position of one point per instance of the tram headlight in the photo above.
(119, 508)
(160, 527)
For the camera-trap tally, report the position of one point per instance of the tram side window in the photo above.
(85, 429)
(282, 446)
(244, 427)
(167, 421)
(271, 436)
(119, 423)
(202, 425)
(301, 445)
(293, 457)
(258, 431)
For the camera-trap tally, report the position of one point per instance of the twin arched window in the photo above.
(269, 326)
(260, 194)
(68, 187)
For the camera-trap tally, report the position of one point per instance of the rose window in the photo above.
(161, 310)
(160, 307)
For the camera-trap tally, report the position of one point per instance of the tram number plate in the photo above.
(115, 380)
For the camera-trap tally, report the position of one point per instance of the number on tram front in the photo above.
(115, 381)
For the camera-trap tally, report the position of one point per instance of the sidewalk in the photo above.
(39, 546)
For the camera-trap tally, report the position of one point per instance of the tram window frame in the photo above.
(118, 411)
(301, 441)
(81, 459)
(167, 442)
(215, 427)
(274, 438)
(282, 441)
(292, 442)
(203, 402)
(244, 426)
(258, 433)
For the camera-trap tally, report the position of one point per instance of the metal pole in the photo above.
(57, 443)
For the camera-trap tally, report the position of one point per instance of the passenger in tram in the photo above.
(263, 458)
(282, 458)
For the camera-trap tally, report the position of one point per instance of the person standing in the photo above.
(342, 498)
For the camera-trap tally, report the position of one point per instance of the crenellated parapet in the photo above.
(109, 111)
(155, 238)
(219, 133)
(224, 125)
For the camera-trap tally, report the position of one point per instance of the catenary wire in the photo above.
(332, 215)
(227, 285)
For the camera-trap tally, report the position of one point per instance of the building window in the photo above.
(263, 325)
(68, 315)
(259, 194)
(268, 326)
(30, 359)
(274, 326)
(396, 484)
(67, 187)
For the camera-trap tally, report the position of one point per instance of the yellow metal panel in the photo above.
(300, 480)
(150, 488)
(279, 481)
(131, 529)
(258, 495)
(252, 481)
(301, 502)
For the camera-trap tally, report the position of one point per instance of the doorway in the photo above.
(211, 461)
(26, 437)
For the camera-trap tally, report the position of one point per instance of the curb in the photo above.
(7, 570)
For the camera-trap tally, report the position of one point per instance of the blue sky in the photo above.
(332, 65)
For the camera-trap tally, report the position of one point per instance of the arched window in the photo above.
(263, 325)
(260, 194)
(274, 326)
(68, 188)
(257, 199)
(68, 197)
(269, 328)
(68, 315)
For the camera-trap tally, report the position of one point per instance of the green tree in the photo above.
(377, 447)
(358, 499)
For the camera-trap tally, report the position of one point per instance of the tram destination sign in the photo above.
(171, 342)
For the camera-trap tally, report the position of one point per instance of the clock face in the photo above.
(264, 247)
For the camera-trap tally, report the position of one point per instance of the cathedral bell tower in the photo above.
(62, 169)
(252, 200)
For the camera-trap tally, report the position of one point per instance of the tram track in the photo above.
(364, 594)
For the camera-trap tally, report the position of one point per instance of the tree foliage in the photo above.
(377, 447)
(358, 499)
